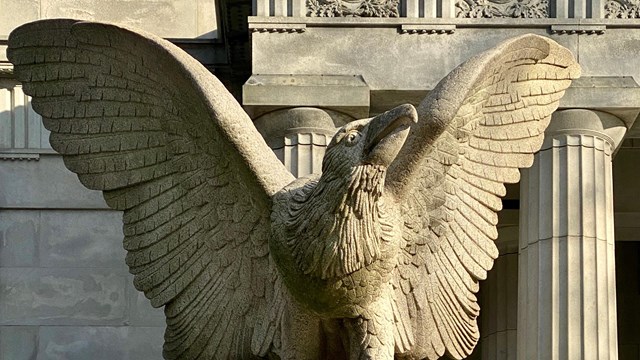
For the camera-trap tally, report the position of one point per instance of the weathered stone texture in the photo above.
(41, 296)
(140, 311)
(167, 18)
(65, 267)
(19, 234)
(99, 343)
(81, 238)
(47, 185)
(18, 342)
(409, 61)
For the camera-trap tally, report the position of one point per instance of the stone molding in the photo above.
(277, 28)
(427, 29)
(578, 29)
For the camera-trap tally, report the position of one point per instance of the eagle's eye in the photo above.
(352, 137)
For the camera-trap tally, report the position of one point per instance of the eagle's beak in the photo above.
(386, 134)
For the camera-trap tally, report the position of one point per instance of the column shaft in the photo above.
(567, 303)
(303, 152)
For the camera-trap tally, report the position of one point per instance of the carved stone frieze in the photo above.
(530, 9)
(358, 8)
(622, 9)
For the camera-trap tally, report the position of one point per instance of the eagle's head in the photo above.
(337, 223)
(369, 143)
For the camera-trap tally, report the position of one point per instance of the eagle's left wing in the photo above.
(142, 121)
(481, 124)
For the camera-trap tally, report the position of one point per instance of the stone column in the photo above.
(499, 299)
(299, 136)
(567, 298)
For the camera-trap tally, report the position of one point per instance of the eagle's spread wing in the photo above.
(475, 130)
(148, 125)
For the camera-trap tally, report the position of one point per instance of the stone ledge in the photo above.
(578, 29)
(457, 22)
(348, 94)
(617, 95)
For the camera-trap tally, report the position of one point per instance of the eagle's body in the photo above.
(336, 296)
(336, 238)
(341, 305)
(379, 256)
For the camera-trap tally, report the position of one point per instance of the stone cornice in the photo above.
(436, 26)
(459, 22)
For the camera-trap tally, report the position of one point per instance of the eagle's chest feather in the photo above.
(339, 246)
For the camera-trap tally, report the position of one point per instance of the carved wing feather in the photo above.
(136, 117)
(475, 130)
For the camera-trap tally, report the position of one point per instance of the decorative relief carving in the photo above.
(530, 9)
(359, 8)
(622, 9)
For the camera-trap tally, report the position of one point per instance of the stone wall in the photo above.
(165, 18)
(65, 291)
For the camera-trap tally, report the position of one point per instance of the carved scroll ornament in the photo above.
(530, 9)
(622, 9)
(359, 8)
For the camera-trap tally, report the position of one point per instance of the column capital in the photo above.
(596, 123)
(274, 126)
(299, 136)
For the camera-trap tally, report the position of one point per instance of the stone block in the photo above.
(98, 343)
(611, 54)
(17, 12)
(3, 56)
(44, 184)
(409, 61)
(82, 343)
(76, 296)
(145, 343)
(19, 233)
(18, 342)
(82, 238)
(167, 18)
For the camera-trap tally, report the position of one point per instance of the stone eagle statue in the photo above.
(378, 257)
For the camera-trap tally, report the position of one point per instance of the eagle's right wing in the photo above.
(482, 123)
(148, 125)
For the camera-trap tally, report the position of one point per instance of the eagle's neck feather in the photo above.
(336, 224)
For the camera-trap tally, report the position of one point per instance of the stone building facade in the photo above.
(567, 283)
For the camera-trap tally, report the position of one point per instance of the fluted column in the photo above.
(499, 299)
(567, 299)
(299, 136)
